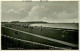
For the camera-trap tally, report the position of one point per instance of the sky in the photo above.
(51, 11)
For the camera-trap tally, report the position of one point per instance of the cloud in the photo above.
(41, 13)
(63, 16)
(38, 11)
(46, 11)
(67, 15)
(15, 10)
(14, 14)
(12, 11)
(21, 9)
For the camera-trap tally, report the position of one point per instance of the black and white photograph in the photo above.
(39, 25)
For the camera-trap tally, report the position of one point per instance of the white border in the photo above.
(40, 50)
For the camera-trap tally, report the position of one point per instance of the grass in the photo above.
(69, 36)
(12, 44)
(7, 43)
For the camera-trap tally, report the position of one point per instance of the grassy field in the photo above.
(69, 36)
(12, 44)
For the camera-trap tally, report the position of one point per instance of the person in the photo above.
(31, 27)
(17, 32)
(63, 33)
(40, 28)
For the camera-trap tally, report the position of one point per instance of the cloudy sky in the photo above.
(55, 11)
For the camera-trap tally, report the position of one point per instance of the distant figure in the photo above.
(63, 33)
(26, 26)
(40, 28)
(31, 27)
(17, 32)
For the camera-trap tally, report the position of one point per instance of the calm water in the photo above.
(58, 25)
